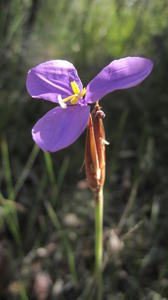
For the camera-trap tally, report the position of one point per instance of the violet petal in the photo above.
(119, 74)
(52, 78)
(59, 127)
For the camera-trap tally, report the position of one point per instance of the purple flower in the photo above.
(58, 81)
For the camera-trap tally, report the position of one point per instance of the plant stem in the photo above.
(99, 241)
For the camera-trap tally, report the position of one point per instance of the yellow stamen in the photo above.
(83, 92)
(75, 87)
(75, 99)
(77, 94)
(68, 98)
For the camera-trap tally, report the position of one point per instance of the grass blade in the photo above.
(56, 184)
(7, 169)
(49, 167)
(61, 175)
(26, 169)
(64, 239)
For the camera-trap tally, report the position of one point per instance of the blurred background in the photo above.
(46, 208)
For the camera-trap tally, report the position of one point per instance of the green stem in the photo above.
(99, 241)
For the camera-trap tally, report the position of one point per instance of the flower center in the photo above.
(74, 98)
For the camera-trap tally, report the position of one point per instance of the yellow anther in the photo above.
(75, 87)
(77, 94)
(75, 99)
(83, 92)
(68, 98)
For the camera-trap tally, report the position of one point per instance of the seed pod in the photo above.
(91, 158)
(99, 134)
(95, 150)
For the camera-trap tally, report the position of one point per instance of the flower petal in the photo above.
(60, 127)
(119, 74)
(52, 78)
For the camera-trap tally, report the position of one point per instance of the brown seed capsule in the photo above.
(91, 158)
(100, 140)
(95, 150)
